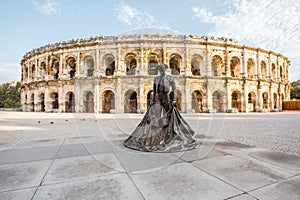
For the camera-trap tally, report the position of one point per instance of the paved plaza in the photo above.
(81, 156)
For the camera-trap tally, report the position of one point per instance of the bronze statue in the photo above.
(162, 129)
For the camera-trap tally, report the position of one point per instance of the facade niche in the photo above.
(265, 100)
(109, 64)
(131, 64)
(152, 63)
(236, 100)
(89, 102)
(197, 101)
(217, 65)
(71, 66)
(217, 101)
(130, 105)
(196, 65)
(89, 65)
(54, 98)
(174, 64)
(251, 101)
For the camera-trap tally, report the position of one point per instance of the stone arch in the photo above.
(263, 69)
(70, 102)
(54, 99)
(108, 101)
(265, 100)
(54, 68)
(275, 100)
(196, 64)
(250, 68)
(42, 70)
(252, 101)
(26, 73)
(273, 69)
(235, 66)
(70, 66)
(89, 65)
(217, 101)
(130, 63)
(281, 73)
(130, 104)
(174, 64)
(88, 102)
(217, 65)
(109, 64)
(42, 101)
(32, 71)
(197, 101)
(32, 102)
(153, 61)
(236, 100)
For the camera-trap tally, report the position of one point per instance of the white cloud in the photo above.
(9, 72)
(269, 24)
(134, 17)
(48, 7)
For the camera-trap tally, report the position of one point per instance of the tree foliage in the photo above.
(10, 95)
(295, 89)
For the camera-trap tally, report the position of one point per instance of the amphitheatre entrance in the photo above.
(70, 102)
(130, 105)
(197, 101)
(108, 101)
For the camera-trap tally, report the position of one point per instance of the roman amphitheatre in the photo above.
(114, 74)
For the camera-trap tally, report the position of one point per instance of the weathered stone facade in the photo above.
(115, 74)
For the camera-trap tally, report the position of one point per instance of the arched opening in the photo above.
(265, 100)
(217, 100)
(109, 64)
(108, 102)
(131, 64)
(71, 66)
(89, 64)
(42, 71)
(235, 67)
(130, 105)
(197, 101)
(216, 65)
(274, 71)
(149, 98)
(281, 73)
(54, 70)
(32, 72)
(251, 101)
(196, 65)
(275, 100)
(152, 63)
(250, 68)
(70, 102)
(263, 68)
(89, 102)
(54, 97)
(32, 102)
(42, 102)
(174, 64)
(236, 100)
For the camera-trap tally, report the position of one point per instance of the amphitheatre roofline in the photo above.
(137, 37)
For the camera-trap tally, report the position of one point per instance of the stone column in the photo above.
(188, 99)
(258, 71)
(227, 63)
(97, 97)
(77, 96)
(61, 98)
(119, 96)
(97, 65)
(207, 62)
(77, 73)
(48, 102)
(271, 98)
(60, 66)
(244, 66)
(259, 98)
(246, 98)
(35, 75)
(141, 99)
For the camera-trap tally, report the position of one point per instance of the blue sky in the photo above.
(269, 24)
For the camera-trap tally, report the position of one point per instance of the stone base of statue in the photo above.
(166, 133)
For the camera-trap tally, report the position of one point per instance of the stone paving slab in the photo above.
(285, 189)
(22, 175)
(112, 187)
(28, 154)
(73, 168)
(241, 173)
(18, 194)
(182, 181)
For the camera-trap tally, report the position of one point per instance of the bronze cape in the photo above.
(169, 133)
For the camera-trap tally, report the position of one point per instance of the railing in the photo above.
(291, 105)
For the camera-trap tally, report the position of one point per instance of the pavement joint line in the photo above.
(16, 189)
(219, 178)
(125, 171)
(48, 169)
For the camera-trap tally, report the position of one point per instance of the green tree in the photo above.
(295, 89)
(10, 95)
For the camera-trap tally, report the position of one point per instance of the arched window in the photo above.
(70, 102)
(175, 61)
(71, 66)
(131, 63)
(196, 65)
(236, 100)
(281, 73)
(109, 64)
(263, 69)
(89, 64)
(108, 102)
(42, 71)
(273, 71)
(130, 102)
(217, 101)
(32, 72)
(235, 67)
(217, 65)
(197, 101)
(152, 63)
(89, 102)
(250, 68)
(54, 70)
